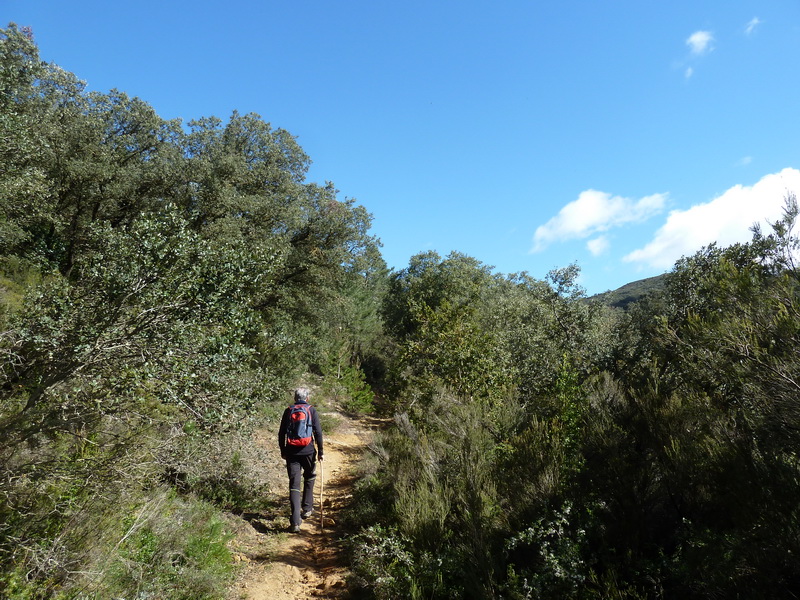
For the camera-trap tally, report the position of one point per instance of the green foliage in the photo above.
(668, 431)
(627, 296)
(347, 385)
(544, 323)
(384, 567)
(22, 143)
(159, 287)
(551, 550)
(435, 309)
(697, 446)
(382, 564)
(570, 419)
(489, 371)
(223, 470)
(440, 466)
(168, 548)
(373, 495)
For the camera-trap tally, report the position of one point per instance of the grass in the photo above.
(169, 546)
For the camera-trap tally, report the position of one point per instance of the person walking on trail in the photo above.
(300, 441)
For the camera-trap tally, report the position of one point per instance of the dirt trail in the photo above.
(311, 564)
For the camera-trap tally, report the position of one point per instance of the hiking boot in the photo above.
(294, 529)
(307, 513)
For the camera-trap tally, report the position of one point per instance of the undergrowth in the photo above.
(157, 545)
(347, 386)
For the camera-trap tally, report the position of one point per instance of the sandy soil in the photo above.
(281, 566)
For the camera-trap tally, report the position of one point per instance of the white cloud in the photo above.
(598, 245)
(754, 22)
(700, 42)
(744, 161)
(725, 220)
(689, 72)
(594, 212)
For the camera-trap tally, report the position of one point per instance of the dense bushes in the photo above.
(161, 285)
(645, 454)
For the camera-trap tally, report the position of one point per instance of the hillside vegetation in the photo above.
(631, 293)
(164, 284)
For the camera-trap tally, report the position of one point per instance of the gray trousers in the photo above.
(301, 499)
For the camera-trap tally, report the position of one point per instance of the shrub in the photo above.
(545, 559)
(348, 386)
(170, 547)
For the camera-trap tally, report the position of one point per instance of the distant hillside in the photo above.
(632, 292)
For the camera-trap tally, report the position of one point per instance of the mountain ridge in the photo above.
(632, 292)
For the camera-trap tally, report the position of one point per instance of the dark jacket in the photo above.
(288, 451)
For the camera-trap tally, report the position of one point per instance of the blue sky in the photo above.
(616, 134)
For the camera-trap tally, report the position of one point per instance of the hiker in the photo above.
(299, 431)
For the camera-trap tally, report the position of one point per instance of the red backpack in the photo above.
(300, 427)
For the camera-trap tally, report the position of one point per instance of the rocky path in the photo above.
(311, 564)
